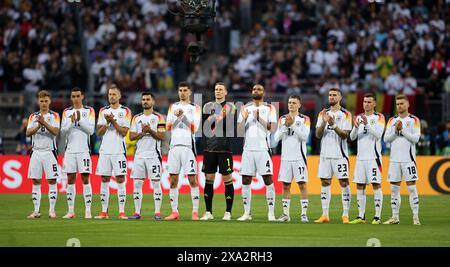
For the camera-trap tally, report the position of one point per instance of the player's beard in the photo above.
(333, 103)
(257, 97)
(147, 107)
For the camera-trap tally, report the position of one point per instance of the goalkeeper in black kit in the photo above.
(218, 129)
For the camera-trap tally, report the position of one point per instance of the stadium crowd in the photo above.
(292, 47)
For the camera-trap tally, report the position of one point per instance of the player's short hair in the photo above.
(259, 84)
(78, 89)
(372, 95)
(184, 84)
(148, 93)
(401, 96)
(296, 97)
(335, 89)
(44, 93)
(221, 83)
(114, 87)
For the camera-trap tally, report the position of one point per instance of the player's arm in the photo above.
(413, 136)
(101, 124)
(346, 126)
(32, 126)
(321, 123)
(66, 123)
(271, 123)
(303, 130)
(281, 131)
(390, 135)
(134, 135)
(195, 123)
(52, 128)
(88, 125)
(377, 129)
(354, 132)
(228, 110)
(242, 120)
(123, 125)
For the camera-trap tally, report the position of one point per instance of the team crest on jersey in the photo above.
(48, 119)
(84, 114)
(263, 111)
(297, 123)
(372, 122)
(408, 124)
(189, 111)
(338, 118)
(120, 114)
(152, 121)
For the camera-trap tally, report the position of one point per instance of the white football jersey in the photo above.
(331, 145)
(293, 138)
(256, 136)
(147, 146)
(403, 144)
(369, 136)
(182, 131)
(78, 132)
(43, 140)
(112, 141)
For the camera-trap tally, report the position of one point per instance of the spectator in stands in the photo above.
(331, 59)
(384, 64)
(279, 81)
(197, 79)
(436, 66)
(394, 82)
(409, 84)
(315, 60)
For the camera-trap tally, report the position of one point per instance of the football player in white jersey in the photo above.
(113, 124)
(368, 129)
(183, 120)
(148, 129)
(78, 124)
(333, 127)
(43, 127)
(403, 132)
(257, 118)
(293, 130)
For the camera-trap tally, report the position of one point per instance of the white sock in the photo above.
(396, 200)
(36, 197)
(270, 197)
(87, 193)
(137, 195)
(304, 205)
(174, 199)
(378, 201)
(157, 195)
(286, 204)
(121, 196)
(246, 198)
(52, 196)
(346, 197)
(104, 196)
(325, 198)
(413, 199)
(195, 194)
(361, 201)
(71, 191)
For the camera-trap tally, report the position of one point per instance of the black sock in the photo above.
(209, 194)
(229, 195)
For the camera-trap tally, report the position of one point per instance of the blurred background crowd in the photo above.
(291, 46)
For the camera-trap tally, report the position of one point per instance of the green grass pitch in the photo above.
(16, 230)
